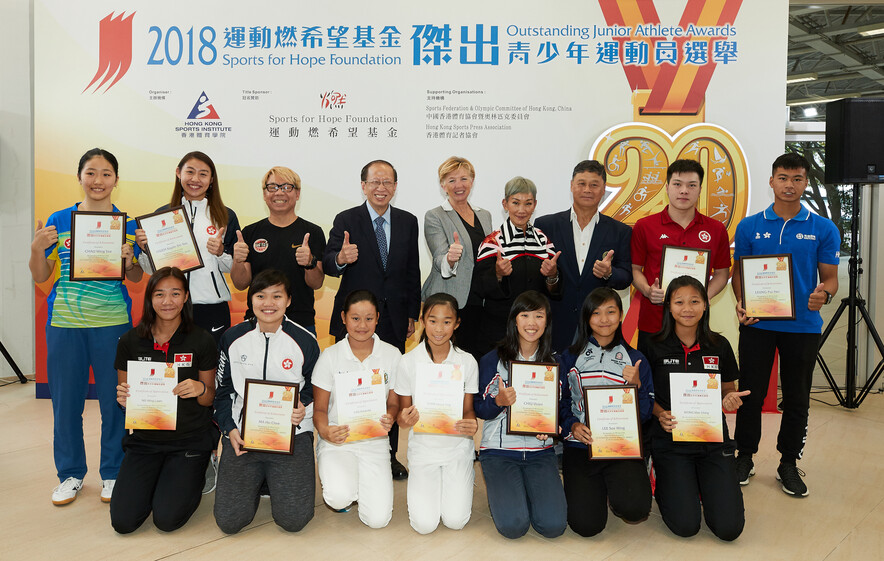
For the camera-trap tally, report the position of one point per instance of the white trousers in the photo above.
(440, 491)
(358, 472)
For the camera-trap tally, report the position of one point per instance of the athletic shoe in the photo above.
(211, 475)
(66, 492)
(107, 489)
(790, 476)
(745, 468)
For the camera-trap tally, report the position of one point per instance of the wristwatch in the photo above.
(829, 296)
(312, 264)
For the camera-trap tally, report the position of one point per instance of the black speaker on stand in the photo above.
(854, 154)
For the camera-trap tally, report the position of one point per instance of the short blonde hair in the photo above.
(285, 174)
(453, 164)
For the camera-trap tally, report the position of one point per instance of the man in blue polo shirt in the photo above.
(786, 226)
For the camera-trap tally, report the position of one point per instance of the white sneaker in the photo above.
(107, 489)
(66, 491)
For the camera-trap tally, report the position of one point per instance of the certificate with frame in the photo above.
(438, 397)
(768, 286)
(360, 402)
(170, 240)
(678, 261)
(267, 416)
(536, 410)
(96, 242)
(151, 405)
(612, 414)
(695, 401)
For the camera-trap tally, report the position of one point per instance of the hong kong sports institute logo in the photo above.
(203, 109)
(114, 50)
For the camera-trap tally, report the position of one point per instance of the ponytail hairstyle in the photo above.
(508, 347)
(217, 210)
(594, 300)
(149, 315)
(705, 335)
(438, 299)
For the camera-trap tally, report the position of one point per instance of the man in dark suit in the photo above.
(595, 249)
(374, 247)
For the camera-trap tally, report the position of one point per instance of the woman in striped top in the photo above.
(513, 259)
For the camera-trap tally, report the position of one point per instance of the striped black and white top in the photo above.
(513, 242)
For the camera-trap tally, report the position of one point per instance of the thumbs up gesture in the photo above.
(505, 396)
(349, 252)
(549, 268)
(215, 244)
(602, 268)
(656, 293)
(240, 249)
(455, 250)
(303, 256)
(817, 298)
(44, 238)
(732, 401)
(503, 267)
(630, 374)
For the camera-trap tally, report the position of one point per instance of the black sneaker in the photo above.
(399, 471)
(745, 468)
(790, 476)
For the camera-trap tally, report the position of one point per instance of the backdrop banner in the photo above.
(518, 88)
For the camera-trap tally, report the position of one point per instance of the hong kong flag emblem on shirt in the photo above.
(710, 362)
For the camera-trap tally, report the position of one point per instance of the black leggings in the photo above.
(214, 318)
(591, 485)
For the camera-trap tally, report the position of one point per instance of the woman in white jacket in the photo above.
(214, 228)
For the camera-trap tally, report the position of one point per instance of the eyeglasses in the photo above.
(284, 187)
(374, 184)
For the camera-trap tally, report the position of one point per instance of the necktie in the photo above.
(382, 239)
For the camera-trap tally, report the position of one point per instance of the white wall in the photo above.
(16, 185)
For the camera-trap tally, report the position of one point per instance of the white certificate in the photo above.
(696, 406)
(170, 240)
(613, 416)
(438, 397)
(151, 405)
(679, 261)
(536, 410)
(361, 400)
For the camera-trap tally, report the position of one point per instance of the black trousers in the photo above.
(163, 477)
(214, 318)
(690, 471)
(590, 486)
(797, 359)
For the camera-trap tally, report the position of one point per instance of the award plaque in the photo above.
(438, 397)
(97, 240)
(267, 417)
(361, 401)
(151, 405)
(678, 261)
(696, 406)
(170, 240)
(536, 410)
(612, 415)
(768, 289)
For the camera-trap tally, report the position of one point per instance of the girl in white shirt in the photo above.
(440, 482)
(356, 470)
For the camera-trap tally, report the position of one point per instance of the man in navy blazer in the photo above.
(595, 249)
(353, 253)
(374, 247)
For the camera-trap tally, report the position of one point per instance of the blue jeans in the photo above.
(525, 490)
(69, 354)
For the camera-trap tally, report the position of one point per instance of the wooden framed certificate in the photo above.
(536, 410)
(696, 405)
(768, 288)
(97, 239)
(438, 396)
(267, 417)
(612, 414)
(151, 405)
(678, 261)
(360, 401)
(170, 241)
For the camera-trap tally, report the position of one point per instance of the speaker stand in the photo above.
(853, 303)
(12, 364)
